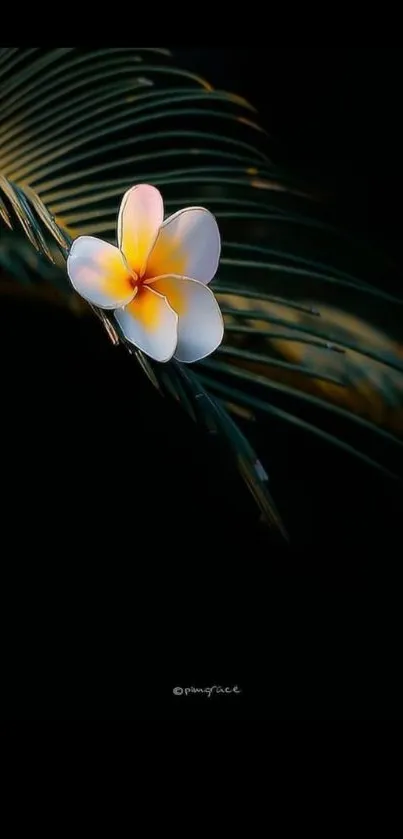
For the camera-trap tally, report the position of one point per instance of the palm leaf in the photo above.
(79, 128)
(34, 147)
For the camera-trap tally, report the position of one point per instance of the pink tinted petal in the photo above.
(140, 217)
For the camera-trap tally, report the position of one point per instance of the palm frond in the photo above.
(313, 323)
(27, 209)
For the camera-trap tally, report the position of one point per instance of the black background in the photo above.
(332, 114)
(173, 583)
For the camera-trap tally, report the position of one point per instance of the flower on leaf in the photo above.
(156, 279)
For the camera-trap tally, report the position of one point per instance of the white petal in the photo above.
(98, 272)
(140, 217)
(200, 326)
(150, 324)
(188, 244)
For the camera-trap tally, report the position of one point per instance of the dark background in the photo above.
(332, 115)
(197, 594)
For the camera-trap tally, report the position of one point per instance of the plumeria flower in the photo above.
(156, 279)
